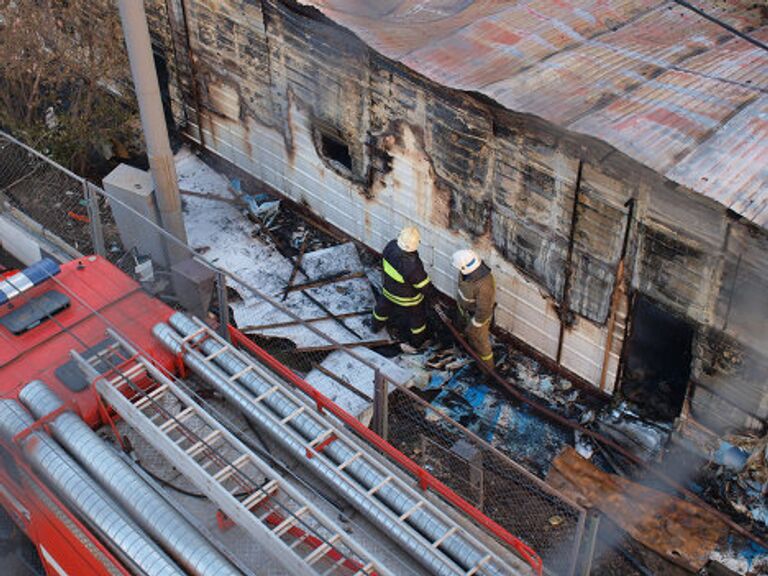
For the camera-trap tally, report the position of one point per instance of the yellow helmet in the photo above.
(408, 239)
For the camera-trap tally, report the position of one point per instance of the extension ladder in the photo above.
(328, 441)
(244, 487)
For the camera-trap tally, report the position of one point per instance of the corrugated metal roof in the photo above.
(669, 88)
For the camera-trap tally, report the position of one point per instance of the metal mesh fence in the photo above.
(485, 477)
(69, 210)
(503, 490)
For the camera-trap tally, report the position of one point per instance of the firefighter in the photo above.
(404, 288)
(476, 299)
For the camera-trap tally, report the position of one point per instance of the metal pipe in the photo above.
(67, 478)
(151, 512)
(456, 547)
(136, 32)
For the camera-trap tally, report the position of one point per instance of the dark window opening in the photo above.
(335, 150)
(657, 364)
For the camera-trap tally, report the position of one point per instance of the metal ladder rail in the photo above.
(487, 557)
(298, 446)
(349, 551)
(353, 444)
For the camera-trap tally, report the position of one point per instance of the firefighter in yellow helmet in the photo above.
(404, 288)
(476, 299)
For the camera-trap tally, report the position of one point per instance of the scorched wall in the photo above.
(305, 106)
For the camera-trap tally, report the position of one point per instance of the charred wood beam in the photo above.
(300, 322)
(618, 289)
(299, 258)
(341, 277)
(566, 318)
(342, 382)
(193, 72)
(330, 347)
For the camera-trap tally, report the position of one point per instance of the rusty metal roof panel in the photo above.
(732, 166)
(658, 82)
(667, 117)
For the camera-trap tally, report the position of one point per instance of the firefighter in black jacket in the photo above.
(405, 286)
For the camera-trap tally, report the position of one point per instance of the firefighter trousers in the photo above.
(413, 318)
(480, 340)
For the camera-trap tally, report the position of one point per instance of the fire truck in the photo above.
(98, 377)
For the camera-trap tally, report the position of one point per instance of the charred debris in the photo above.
(558, 427)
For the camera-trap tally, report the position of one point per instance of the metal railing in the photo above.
(78, 213)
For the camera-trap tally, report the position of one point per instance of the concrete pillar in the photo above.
(145, 82)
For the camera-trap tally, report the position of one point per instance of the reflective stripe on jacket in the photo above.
(404, 277)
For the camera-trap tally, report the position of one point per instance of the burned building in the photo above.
(608, 160)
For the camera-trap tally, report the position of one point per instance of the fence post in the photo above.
(94, 215)
(380, 405)
(588, 543)
(223, 305)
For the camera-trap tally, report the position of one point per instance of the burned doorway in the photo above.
(657, 362)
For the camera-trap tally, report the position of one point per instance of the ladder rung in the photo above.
(365, 570)
(98, 356)
(410, 511)
(263, 395)
(201, 445)
(128, 375)
(472, 571)
(322, 437)
(195, 334)
(332, 569)
(293, 415)
(240, 374)
(349, 461)
(150, 396)
(216, 354)
(260, 495)
(451, 531)
(321, 550)
(171, 424)
(231, 468)
(380, 485)
(288, 523)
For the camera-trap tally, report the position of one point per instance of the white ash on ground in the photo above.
(226, 236)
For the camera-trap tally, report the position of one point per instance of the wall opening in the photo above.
(657, 364)
(334, 150)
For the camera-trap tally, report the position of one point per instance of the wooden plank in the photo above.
(341, 277)
(680, 531)
(248, 329)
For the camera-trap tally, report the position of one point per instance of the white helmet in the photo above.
(466, 261)
(408, 239)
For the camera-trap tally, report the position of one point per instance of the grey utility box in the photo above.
(135, 188)
(193, 284)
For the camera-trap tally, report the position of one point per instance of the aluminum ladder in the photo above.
(244, 487)
(342, 458)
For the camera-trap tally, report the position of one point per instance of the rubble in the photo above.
(646, 439)
(688, 534)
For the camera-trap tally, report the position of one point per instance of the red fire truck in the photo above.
(93, 369)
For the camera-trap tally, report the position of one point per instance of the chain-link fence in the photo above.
(522, 504)
(489, 480)
(68, 209)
